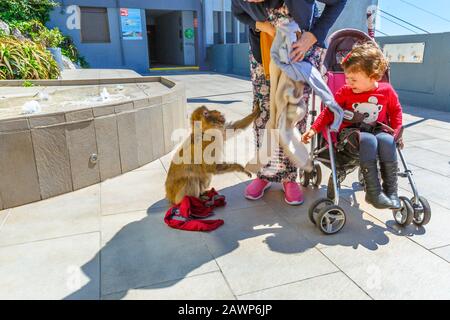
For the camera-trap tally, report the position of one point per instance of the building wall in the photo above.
(119, 53)
(188, 44)
(426, 84)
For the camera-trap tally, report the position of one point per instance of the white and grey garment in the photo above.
(303, 71)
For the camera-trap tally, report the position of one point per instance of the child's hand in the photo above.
(398, 137)
(306, 138)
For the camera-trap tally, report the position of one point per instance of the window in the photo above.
(230, 28)
(218, 27)
(94, 25)
(243, 30)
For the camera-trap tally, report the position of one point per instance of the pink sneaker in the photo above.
(255, 190)
(293, 195)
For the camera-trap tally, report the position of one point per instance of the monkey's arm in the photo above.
(245, 122)
(227, 167)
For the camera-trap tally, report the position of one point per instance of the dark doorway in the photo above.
(172, 38)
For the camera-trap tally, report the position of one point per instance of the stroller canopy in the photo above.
(340, 44)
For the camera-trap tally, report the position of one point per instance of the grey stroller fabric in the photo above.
(303, 71)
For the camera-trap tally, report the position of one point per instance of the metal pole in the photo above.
(333, 168)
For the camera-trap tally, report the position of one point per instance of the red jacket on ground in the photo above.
(381, 104)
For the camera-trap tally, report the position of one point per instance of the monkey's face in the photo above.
(210, 119)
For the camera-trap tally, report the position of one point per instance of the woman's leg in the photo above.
(387, 153)
(261, 98)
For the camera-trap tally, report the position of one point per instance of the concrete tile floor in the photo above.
(109, 241)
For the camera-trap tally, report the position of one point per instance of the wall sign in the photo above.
(131, 24)
(404, 52)
(189, 33)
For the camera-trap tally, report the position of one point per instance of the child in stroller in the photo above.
(373, 118)
(372, 131)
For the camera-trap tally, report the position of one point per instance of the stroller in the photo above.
(326, 213)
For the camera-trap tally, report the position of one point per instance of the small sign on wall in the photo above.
(131, 23)
(404, 52)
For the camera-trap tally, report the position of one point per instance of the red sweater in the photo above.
(380, 104)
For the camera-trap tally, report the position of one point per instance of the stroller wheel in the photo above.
(305, 178)
(422, 215)
(315, 208)
(405, 215)
(331, 219)
(316, 176)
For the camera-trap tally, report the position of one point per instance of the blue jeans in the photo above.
(372, 145)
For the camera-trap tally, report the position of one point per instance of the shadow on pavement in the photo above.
(147, 253)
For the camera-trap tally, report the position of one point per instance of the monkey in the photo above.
(193, 178)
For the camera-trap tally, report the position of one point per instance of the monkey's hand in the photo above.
(244, 170)
(248, 173)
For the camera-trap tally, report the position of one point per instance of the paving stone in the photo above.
(155, 164)
(52, 161)
(349, 236)
(100, 111)
(430, 236)
(124, 107)
(63, 268)
(421, 158)
(209, 286)
(108, 147)
(443, 252)
(82, 145)
(430, 185)
(69, 214)
(327, 287)
(144, 136)
(141, 250)
(18, 169)
(436, 145)
(126, 124)
(14, 125)
(268, 247)
(47, 120)
(386, 273)
(137, 190)
(80, 115)
(169, 125)
(157, 130)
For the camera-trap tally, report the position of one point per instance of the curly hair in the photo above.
(368, 58)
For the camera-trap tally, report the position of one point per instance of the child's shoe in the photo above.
(293, 195)
(255, 190)
(389, 171)
(374, 195)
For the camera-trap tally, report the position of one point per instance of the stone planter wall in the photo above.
(42, 156)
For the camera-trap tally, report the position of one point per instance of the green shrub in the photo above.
(26, 10)
(36, 31)
(69, 50)
(25, 60)
(27, 84)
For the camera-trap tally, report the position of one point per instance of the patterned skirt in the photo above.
(280, 168)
